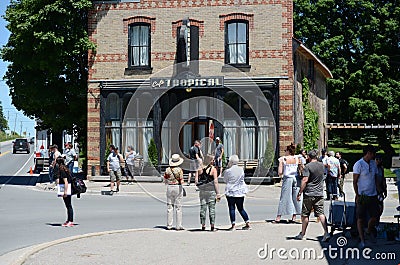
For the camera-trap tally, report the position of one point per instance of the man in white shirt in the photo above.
(114, 161)
(364, 184)
(333, 174)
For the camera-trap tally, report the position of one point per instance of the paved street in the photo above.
(14, 164)
(32, 215)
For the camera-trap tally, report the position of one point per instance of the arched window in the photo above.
(237, 42)
(113, 107)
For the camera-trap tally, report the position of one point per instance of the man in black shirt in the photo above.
(195, 155)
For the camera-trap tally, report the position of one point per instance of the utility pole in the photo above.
(15, 122)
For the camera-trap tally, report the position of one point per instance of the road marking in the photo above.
(4, 153)
(24, 165)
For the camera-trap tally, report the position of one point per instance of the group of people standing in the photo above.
(206, 170)
(303, 179)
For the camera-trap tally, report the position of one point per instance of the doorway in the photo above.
(191, 131)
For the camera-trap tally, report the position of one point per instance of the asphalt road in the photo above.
(31, 217)
(14, 164)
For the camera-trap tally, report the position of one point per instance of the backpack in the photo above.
(77, 186)
(205, 178)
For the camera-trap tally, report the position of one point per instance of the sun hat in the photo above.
(175, 160)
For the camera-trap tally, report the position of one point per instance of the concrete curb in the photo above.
(20, 256)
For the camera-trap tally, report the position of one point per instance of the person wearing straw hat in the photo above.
(173, 178)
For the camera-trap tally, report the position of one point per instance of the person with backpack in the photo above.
(207, 182)
(235, 191)
(64, 177)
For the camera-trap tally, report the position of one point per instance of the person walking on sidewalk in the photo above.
(114, 161)
(207, 182)
(364, 183)
(130, 163)
(235, 191)
(64, 176)
(289, 167)
(219, 152)
(173, 178)
(312, 188)
(344, 167)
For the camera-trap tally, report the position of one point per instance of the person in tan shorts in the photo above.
(312, 185)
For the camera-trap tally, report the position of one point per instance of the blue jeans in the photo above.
(51, 174)
(332, 186)
(71, 168)
(238, 202)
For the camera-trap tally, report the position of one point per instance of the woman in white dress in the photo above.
(289, 167)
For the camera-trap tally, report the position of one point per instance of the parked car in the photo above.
(21, 145)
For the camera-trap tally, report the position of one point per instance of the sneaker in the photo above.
(180, 228)
(169, 227)
(326, 237)
(232, 228)
(111, 192)
(65, 224)
(246, 227)
(70, 224)
(299, 236)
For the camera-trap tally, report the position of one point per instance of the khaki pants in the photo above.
(174, 200)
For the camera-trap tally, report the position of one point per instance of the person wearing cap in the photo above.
(235, 191)
(344, 167)
(333, 174)
(219, 152)
(173, 178)
(312, 189)
(364, 184)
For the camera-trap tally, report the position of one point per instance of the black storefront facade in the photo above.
(193, 104)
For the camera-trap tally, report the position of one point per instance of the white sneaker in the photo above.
(299, 236)
(326, 237)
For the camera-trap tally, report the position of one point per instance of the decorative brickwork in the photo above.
(193, 22)
(236, 16)
(140, 19)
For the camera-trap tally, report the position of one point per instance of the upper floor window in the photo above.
(236, 43)
(139, 45)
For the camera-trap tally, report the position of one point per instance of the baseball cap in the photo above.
(217, 139)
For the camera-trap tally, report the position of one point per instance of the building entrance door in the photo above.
(190, 132)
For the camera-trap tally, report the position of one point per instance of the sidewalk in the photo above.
(159, 246)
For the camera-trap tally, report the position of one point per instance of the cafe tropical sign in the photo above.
(200, 82)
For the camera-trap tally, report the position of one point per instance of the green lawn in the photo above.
(353, 152)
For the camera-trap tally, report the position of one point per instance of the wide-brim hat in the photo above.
(175, 160)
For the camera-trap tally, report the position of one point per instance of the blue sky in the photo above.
(14, 116)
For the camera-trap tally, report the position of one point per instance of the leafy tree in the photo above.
(3, 121)
(47, 51)
(359, 40)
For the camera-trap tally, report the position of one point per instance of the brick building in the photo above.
(197, 49)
